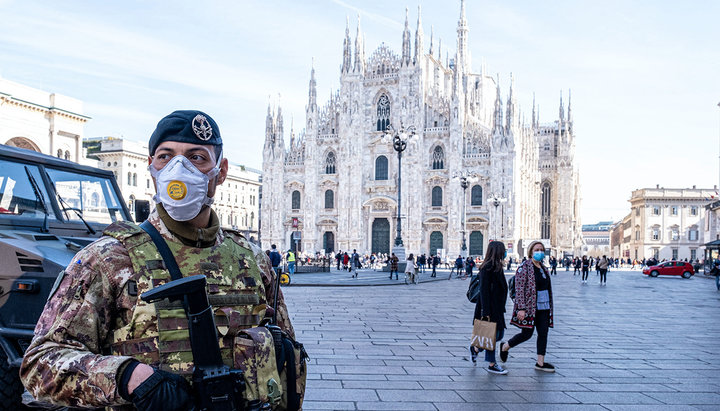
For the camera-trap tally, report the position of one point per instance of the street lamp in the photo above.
(466, 178)
(400, 139)
(496, 199)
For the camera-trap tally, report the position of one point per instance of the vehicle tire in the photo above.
(11, 389)
(285, 279)
(654, 273)
(686, 274)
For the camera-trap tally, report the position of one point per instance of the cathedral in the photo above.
(335, 187)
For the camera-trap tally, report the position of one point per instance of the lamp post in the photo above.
(496, 199)
(400, 139)
(465, 178)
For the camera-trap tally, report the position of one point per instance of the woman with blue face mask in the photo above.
(533, 307)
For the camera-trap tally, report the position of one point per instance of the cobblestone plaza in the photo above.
(638, 343)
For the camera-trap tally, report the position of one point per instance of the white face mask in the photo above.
(182, 188)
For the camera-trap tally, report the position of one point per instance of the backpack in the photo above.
(473, 292)
(511, 287)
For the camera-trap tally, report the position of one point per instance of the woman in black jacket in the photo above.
(493, 296)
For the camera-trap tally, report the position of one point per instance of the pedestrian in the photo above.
(533, 307)
(290, 258)
(716, 272)
(433, 264)
(275, 259)
(394, 265)
(509, 263)
(578, 266)
(411, 268)
(603, 267)
(491, 304)
(355, 263)
(585, 265)
(346, 261)
(553, 265)
(98, 344)
(338, 257)
(458, 266)
(469, 265)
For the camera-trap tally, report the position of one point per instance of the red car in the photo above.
(670, 268)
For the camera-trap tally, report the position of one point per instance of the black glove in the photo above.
(163, 391)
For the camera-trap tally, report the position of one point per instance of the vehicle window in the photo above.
(17, 196)
(92, 196)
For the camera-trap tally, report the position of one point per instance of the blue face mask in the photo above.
(538, 255)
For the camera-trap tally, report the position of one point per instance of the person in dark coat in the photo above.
(394, 265)
(493, 296)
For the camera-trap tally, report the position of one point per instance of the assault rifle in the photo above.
(217, 387)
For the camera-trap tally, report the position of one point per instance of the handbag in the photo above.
(473, 292)
(483, 335)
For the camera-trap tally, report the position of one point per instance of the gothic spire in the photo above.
(312, 92)
(347, 45)
(359, 50)
(562, 110)
(279, 131)
(498, 117)
(418, 39)
(431, 40)
(269, 122)
(463, 59)
(569, 118)
(533, 112)
(292, 132)
(406, 42)
(510, 117)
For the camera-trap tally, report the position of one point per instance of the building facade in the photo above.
(335, 186)
(236, 200)
(665, 223)
(36, 120)
(596, 238)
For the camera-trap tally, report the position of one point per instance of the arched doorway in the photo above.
(381, 236)
(329, 242)
(436, 242)
(476, 243)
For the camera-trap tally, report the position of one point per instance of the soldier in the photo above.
(97, 344)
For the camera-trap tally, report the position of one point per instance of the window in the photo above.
(383, 113)
(134, 179)
(693, 210)
(108, 164)
(147, 183)
(545, 202)
(131, 203)
(655, 234)
(675, 234)
(437, 196)
(330, 163)
(329, 199)
(656, 253)
(637, 211)
(656, 210)
(693, 254)
(129, 178)
(637, 234)
(476, 195)
(295, 200)
(438, 158)
(673, 210)
(693, 235)
(381, 168)
(674, 253)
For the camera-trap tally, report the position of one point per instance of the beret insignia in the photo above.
(202, 128)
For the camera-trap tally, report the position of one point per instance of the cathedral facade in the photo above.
(335, 187)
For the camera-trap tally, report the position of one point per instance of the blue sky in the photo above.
(644, 74)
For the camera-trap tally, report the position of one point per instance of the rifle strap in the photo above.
(167, 255)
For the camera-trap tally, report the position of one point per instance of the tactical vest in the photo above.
(157, 333)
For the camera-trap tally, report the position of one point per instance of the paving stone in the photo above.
(687, 398)
(615, 397)
(419, 395)
(397, 405)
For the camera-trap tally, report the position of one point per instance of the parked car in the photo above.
(670, 268)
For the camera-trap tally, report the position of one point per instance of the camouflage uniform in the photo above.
(93, 312)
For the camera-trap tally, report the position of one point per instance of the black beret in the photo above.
(186, 126)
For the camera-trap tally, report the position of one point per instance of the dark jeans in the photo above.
(542, 325)
(603, 275)
(490, 354)
(584, 274)
(433, 272)
(553, 270)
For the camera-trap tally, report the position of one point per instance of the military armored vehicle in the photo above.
(49, 210)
